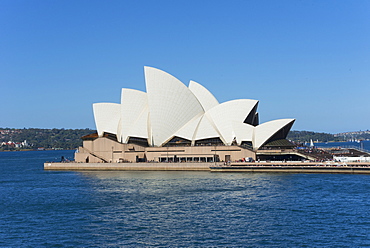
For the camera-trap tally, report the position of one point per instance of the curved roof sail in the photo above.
(134, 114)
(243, 132)
(226, 113)
(188, 130)
(107, 117)
(206, 129)
(171, 104)
(206, 99)
(264, 132)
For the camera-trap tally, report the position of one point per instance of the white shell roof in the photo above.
(140, 126)
(266, 130)
(206, 129)
(134, 114)
(206, 99)
(226, 113)
(169, 109)
(188, 130)
(171, 104)
(107, 117)
(243, 132)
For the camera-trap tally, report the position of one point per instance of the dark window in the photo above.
(209, 142)
(177, 141)
(138, 141)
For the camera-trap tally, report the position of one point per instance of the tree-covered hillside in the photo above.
(45, 138)
(306, 136)
(357, 135)
(11, 139)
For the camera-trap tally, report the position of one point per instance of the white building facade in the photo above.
(170, 114)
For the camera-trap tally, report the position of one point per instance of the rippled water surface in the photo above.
(177, 209)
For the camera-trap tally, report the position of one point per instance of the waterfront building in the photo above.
(171, 122)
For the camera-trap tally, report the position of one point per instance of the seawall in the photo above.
(276, 167)
(293, 169)
(130, 166)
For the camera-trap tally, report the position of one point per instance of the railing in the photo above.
(350, 147)
(356, 148)
(95, 155)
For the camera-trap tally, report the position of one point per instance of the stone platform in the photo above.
(262, 167)
(130, 166)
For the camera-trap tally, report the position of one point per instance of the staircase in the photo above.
(95, 155)
(315, 154)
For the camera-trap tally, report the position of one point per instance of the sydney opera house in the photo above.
(171, 122)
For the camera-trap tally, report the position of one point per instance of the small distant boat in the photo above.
(312, 144)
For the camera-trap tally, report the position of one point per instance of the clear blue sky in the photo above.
(308, 60)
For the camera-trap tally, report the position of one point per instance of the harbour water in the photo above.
(177, 209)
(364, 144)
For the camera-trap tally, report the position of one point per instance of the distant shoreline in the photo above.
(36, 150)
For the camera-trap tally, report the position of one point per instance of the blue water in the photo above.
(363, 144)
(177, 209)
